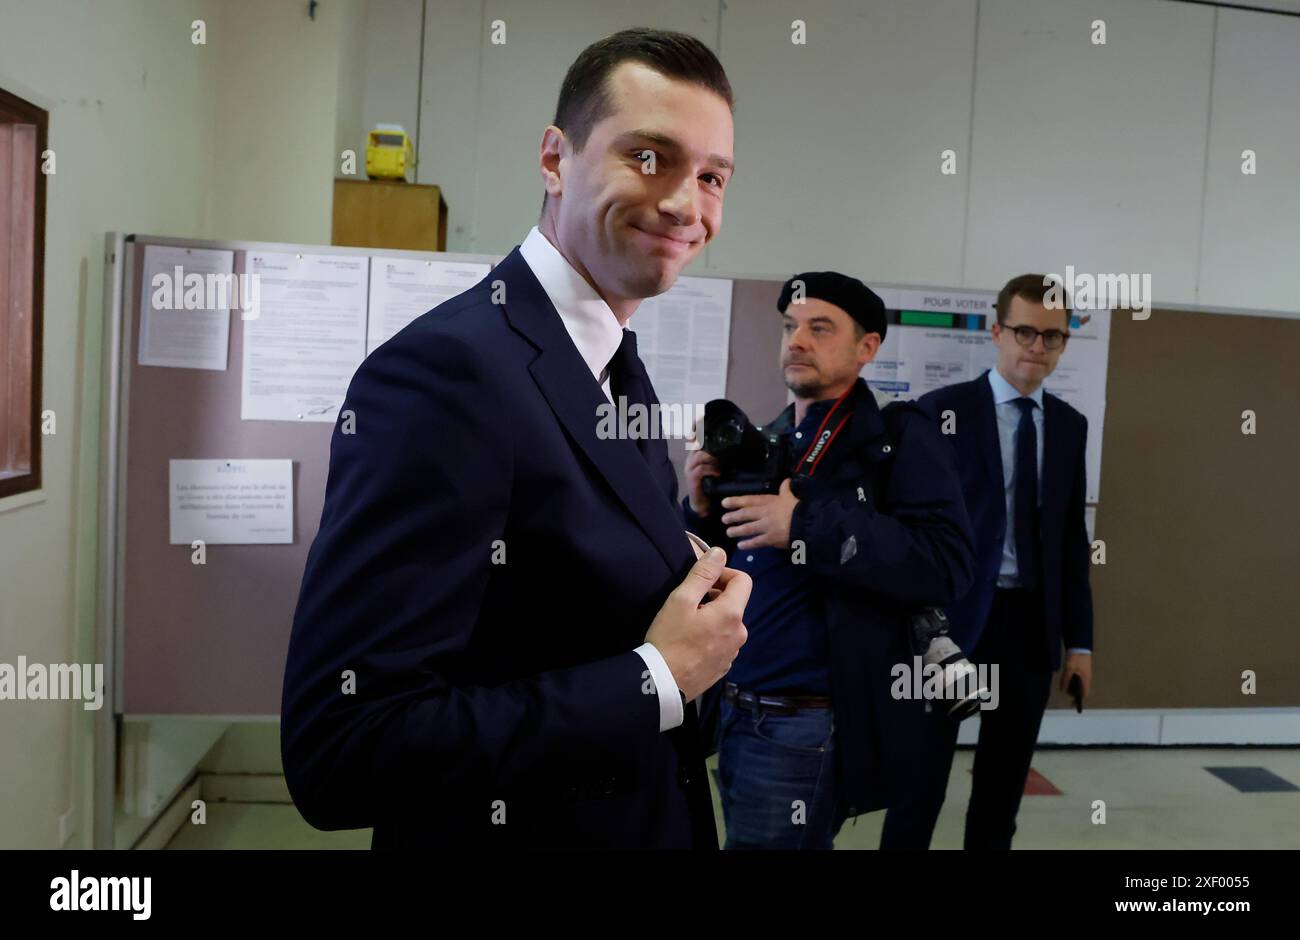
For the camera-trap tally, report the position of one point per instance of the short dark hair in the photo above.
(584, 94)
(1033, 287)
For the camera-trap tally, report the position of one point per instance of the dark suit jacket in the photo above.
(886, 534)
(1067, 596)
(495, 704)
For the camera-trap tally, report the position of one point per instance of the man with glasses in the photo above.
(1020, 456)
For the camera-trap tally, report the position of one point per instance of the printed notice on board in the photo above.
(185, 300)
(308, 338)
(402, 289)
(231, 502)
(682, 336)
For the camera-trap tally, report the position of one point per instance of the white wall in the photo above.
(275, 90)
(1123, 157)
(126, 95)
(353, 33)
(1091, 155)
(391, 75)
(1250, 240)
(838, 141)
(152, 134)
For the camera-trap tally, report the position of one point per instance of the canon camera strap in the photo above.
(821, 442)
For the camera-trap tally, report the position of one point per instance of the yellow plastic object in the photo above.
(388, 154)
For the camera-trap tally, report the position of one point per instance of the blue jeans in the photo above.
(777, 779)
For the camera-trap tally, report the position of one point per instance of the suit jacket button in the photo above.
(684, 777)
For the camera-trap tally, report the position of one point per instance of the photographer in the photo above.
(867, 526)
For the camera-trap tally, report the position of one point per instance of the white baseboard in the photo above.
(245, 788)
(1233, 726)
(156, 760)
(171, 820)
(1184, 727)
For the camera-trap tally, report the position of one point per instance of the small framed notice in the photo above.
(231, 502)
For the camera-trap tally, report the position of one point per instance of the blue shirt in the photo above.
(788, 649)
(1008, 412)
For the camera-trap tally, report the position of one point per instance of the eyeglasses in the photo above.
(1025, 336)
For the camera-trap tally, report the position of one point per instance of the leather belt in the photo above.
(776, 704)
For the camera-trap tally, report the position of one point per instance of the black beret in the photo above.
(848, 293)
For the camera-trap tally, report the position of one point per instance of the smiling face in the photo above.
(644, 196)
(821, 353)
(1026, 367)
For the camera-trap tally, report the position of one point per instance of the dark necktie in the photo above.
(1026, 496)
(627, 377)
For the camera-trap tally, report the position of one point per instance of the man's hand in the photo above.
(698, 466)
(763, 520)
(699, 640)
(1077, 664)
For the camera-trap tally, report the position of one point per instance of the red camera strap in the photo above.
(821, 443)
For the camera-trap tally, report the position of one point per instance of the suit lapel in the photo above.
(656, 446)
(572, 392)
(987, 416)
(1053, 453)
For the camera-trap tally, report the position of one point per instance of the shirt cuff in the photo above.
(1078, 649)
(692, 516)
(671, 713)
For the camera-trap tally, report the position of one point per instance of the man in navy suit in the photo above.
(502, 626)
(1020, 455)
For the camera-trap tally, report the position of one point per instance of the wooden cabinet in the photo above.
(389, 214)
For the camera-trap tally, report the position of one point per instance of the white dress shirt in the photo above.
(596, 333)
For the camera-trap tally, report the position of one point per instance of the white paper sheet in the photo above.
(185, 300)
(231, 502)
(402, 289)
(682, 337)
(309, 336)
(914, 360)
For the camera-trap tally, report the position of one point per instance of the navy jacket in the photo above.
(884, 528)
(485, 568)
(1067, 596)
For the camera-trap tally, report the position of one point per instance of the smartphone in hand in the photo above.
(1076, 692)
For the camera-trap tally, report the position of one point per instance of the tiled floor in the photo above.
(1157, 799)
